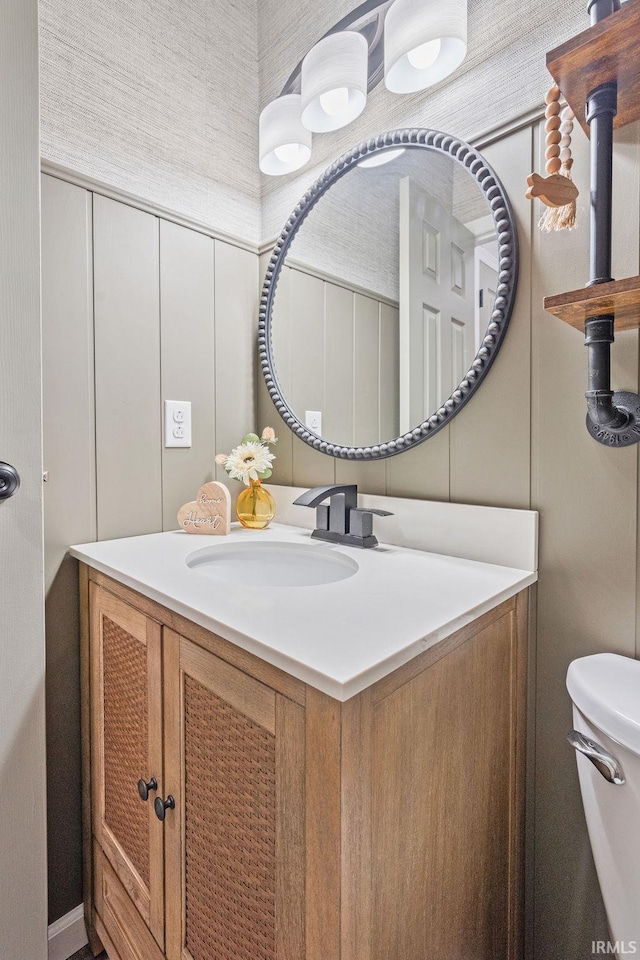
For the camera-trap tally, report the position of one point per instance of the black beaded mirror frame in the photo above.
(506, 231)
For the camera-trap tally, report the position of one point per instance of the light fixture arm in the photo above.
(367, 19)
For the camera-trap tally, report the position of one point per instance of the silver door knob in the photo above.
(9, 480)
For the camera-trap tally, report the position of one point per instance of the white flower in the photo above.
(269, 435)
(221, 459)
(247, 461)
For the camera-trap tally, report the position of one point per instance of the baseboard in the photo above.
(67, 935)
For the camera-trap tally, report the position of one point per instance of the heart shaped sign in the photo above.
(209, 513)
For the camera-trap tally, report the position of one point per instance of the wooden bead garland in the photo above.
(557, 190)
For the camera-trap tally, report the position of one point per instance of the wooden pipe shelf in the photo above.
(598, 73)
(620, 298)
(604, 53)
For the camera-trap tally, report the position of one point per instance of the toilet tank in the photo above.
(605, 690)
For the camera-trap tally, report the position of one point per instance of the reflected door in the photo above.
(486, 266)
(436, 303)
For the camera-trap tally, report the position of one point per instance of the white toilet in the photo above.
(605, 690)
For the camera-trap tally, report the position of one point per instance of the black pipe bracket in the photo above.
(628, 406)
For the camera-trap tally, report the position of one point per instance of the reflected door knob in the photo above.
(9, 480)
(146, 786)
(161, 806)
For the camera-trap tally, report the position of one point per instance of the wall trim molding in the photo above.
(147, 206)
(303, 267)
(67, 935)
(483, 138)
(479, 141)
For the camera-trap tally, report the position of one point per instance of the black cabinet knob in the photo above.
(145, 787)
(161, 806)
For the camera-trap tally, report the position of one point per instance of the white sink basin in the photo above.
(272, 564)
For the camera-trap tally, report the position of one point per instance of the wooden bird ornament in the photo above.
(557, 190)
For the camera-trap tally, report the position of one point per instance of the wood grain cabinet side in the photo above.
(388, 827)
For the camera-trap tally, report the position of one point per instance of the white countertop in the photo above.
(338, 637)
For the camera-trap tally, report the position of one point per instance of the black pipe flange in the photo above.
(628, 433)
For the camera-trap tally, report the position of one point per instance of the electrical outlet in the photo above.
(177, 423)
(313, 421)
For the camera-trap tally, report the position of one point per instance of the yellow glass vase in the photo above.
(255, 507)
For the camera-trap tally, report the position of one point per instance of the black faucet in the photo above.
(341, 520)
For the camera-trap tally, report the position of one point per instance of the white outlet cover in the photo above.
(313, 421)
(177, 423)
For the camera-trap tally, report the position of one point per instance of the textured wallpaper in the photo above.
(161, 97)
(503, 75)
(158, 98)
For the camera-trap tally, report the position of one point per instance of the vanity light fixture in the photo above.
(411, 43)
(425, 41)
(379, 159)
(285, 145)
(334, 81)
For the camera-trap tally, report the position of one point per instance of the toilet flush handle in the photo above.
(604, 762)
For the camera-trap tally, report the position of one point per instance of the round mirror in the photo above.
(388, 294)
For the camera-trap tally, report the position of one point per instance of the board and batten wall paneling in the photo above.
(236, 336)
(303, 307)
(491, 437)
(337, 411)
(335, 350)
(70, 509)
(155, 320)
(366, 358)
(127, 344)
(267, 414)
(23, 874)
(68, 380)
(187, 309)
(307, 337)
(389, 344)
(587, 497)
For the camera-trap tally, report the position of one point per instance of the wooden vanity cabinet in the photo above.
(388, 827)
(126, 746)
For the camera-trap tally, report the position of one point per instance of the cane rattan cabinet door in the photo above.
(126, 747)
(234, 761)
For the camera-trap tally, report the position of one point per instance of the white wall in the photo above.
(158, 98)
